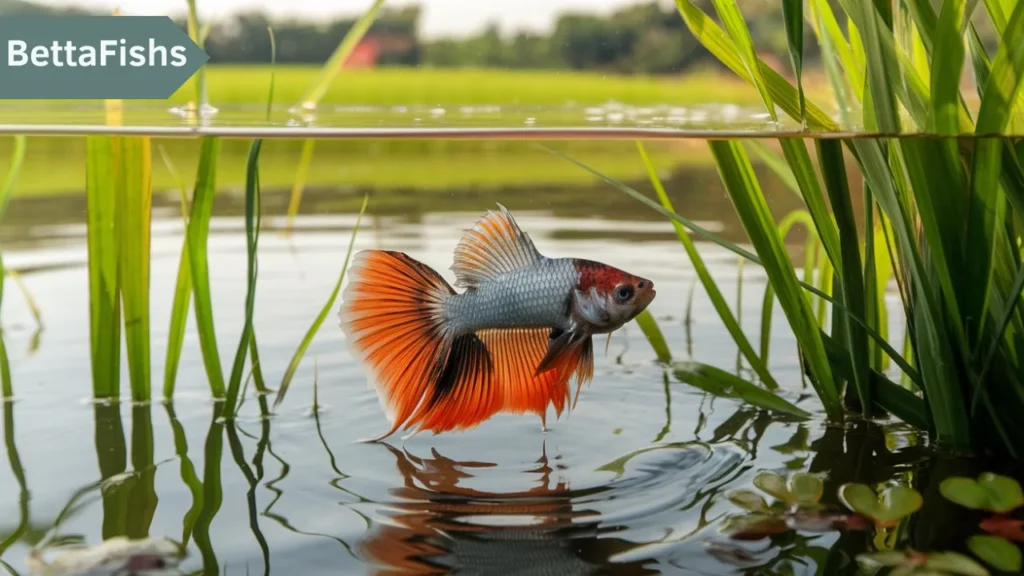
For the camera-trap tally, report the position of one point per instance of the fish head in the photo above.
(608, 298)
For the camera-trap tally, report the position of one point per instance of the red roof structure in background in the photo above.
(364, 55)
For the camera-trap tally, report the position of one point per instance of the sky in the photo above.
(439, 17)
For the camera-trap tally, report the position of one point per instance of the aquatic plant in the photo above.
(956, 256)
(887, 508)
(911, 562)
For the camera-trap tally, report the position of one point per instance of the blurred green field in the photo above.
(426, 86)
(56, 165)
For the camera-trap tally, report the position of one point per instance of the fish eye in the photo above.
(624, 293)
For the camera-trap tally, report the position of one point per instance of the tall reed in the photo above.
(316, 91)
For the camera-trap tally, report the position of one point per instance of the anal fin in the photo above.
(494, 371)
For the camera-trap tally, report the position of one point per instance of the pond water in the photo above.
(632, 482)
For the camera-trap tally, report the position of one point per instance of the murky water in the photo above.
(632, 482)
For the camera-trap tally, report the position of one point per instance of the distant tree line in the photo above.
(645, 38)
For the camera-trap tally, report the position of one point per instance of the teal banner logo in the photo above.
(94, 57)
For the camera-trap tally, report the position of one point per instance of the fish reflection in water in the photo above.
(438, 526)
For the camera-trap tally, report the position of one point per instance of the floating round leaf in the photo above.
(748, 500)
(997, 552)
(806, 489)
(900, 501)
(964, 491)
(990, 491)
(859, 498)
(772, 484)
(953, 563)
(1004, 493)
(896, 502)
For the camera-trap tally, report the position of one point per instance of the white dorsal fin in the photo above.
(494, 246)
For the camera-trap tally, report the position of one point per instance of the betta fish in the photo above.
(442, 360)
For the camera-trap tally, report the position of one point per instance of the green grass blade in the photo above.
(734, 23)
(649, 326)
(710, 286)
(775, 163)
(831, 38)
(188, 474)
(793, 13)
(311, 333)
(6, 384)
(1004, 321)
(781, 92)
(948, 60)
(104, 285)
(133, 218)
(999, 12)
(301, 174)
(902, 403)
(213, 492)
(252, 232)
(197, 236)
(195, 33)
(878, 78)
(799, 161)
(182, 291)
(738, 176)
(830, 154)
(712, 237)
(1004, 80)
(14, 168)
(984, 213)
(333, 66)
(718, 382)
(273, 62)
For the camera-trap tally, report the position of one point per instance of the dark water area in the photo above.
(634, 481)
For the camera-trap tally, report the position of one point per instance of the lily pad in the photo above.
(954, 563)
(886, 509)
(992, 492)
(801, 489)
(749, 500)
(997, 552)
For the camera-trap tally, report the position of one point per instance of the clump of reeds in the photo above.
(119, 218)
(944, 213)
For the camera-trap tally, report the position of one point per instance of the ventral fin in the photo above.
(494, 246)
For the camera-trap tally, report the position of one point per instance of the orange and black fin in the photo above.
(560, 343)
(493, 371)
(494, 246)
(464, 394)
(393, 319)
(584, 367)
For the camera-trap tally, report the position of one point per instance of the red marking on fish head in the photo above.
(622, 287)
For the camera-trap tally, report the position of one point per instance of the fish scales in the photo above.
(534, 296)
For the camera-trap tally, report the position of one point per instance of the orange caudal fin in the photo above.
(393, 319)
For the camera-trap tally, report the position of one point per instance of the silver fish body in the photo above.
(534, 296)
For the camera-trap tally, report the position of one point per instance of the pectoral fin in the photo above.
(572, 350)
(560, 343)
